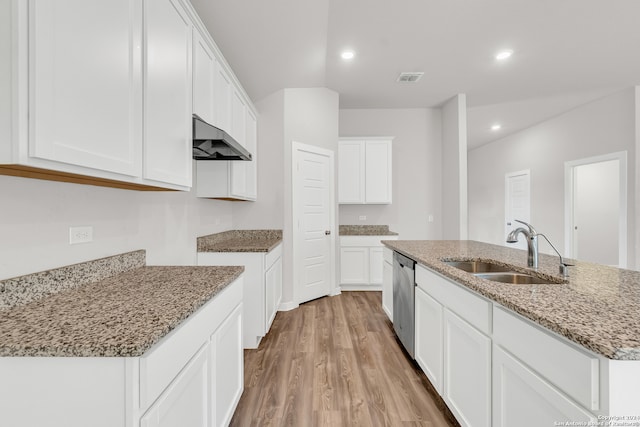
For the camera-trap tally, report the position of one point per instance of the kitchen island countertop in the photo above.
(598, 307)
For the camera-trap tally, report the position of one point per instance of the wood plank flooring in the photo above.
(335, 361)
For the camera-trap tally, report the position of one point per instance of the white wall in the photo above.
(600, 127)
(306, 115)
(454, 168)
(417, 179)
(35, 217)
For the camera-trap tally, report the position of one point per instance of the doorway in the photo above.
(596, 209)
(313, 202)
(517, 203)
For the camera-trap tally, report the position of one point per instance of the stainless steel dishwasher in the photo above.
(404, 292)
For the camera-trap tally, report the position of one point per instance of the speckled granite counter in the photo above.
(240, 241)
(599, 307)
(121, 315)
(365, 230)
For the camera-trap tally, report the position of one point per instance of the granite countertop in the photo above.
(240, 241)
(122, 315)
(365, 230)
(598, 306)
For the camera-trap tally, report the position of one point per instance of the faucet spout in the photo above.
(532, 242)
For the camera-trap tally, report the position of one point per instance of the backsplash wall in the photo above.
(35, 217)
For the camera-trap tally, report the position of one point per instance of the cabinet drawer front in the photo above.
(160, 365)
(272, 256)
(472, 308)
(570, 369)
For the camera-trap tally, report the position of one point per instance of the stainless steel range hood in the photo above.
(211, 143)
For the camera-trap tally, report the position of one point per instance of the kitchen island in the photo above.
(114, 342)
(569, 349)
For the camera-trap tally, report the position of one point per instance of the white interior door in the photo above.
(596, 201)
(313, 221)
(596, 209)
(517, 203)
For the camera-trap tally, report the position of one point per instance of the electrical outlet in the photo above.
(80, 235)
(430, 218)
(362, 217)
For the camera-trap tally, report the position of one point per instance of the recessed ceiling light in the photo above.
(347, 55)
(496, 127)
(504, 54)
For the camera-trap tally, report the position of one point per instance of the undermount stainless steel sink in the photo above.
(499, 273)
(514, 278)
(478, 266)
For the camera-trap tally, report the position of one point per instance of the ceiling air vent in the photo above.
(410, 77)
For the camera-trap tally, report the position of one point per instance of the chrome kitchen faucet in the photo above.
(532, 246)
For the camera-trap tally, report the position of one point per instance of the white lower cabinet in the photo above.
(273, 291)
(523, 398)
(452, 346)
(354, 266)
(227, 368)
(387, 282)
(467, 372)
(362, 262)
(192, 377)
(375, 265)
(184, 403)
(262, 288)
(428, 344)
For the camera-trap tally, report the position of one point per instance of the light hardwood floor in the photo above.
(334, 361)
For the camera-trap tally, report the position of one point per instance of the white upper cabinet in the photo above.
(167, 95)
(351, 171)
(85, 83)
(222, 100)
(204, 78)
(103, 92)
(364, 171)
(238, 129)
(252, 146)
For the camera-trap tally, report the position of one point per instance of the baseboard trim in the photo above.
(361, 287)
(288, 306)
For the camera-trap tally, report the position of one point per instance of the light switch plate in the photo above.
(362, 217)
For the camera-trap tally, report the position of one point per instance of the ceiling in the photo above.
(566, 52)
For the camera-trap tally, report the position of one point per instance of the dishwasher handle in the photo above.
(404, 261)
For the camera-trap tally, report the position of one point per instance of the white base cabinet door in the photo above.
(354, 265)
(467, 370)
(522, 398)
(227, 369)
(273, 291)
(185, 402)
(375, 266)
(428, 340)
(387, 282)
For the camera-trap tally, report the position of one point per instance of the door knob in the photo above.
(327, 232)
